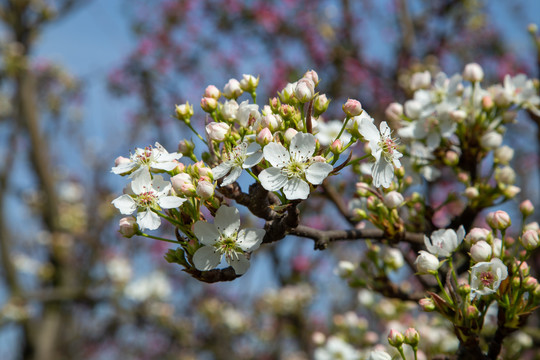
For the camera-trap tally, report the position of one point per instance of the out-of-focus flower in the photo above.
(473, 72)
(445, 241)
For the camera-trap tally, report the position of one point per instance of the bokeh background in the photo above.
(84, 81)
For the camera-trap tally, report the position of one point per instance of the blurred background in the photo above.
(84, 81)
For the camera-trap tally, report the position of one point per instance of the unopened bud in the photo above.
(264, 137)
(205, 189)
(395, 338)
(352, 107)
(503, 155)
(336, 147)
(394, 112)
(526, 208)
(458, 115)
(427, 304)
(491, 140)
(481, 251)
(313, 76)
(473, 72)
(217, 131)
(289, 134)
(232, 89)
(426, 263)
(179, 180)
(393, 199)
(412, 337)
(345, 269)
(185, 147)
(212, 92)
(208, 104)
(320, 104)
(487, 103)
(128, 226)
(471, 193)
(499, 220)
(184, 112)
(249, 83)
(304, 90)
(472, 312)
(420, 80)
(529, 239)
(451, 158)
(511, 191)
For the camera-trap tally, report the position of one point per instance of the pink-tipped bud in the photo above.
(471, 312)
(427, 304)
(395, 338)
(499, 220)
(478, 234)
(336, 147)
(526, 208)
(208, 104)
(304, 90)
(128, 226)
(393, 199)
(451, 158)
(394, 112)
(531, 283)
(352, 108)
(217, 131)
(179, 180)
(481, 251)
(313, 76)
(212, 92)
(205, 189)
(412, 337)
(264, 137)
(487, 102)
(529, 240)
(320, 104)
(426, 263)
(473, 72)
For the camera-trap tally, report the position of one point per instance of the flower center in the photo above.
(487, 278)
(145, 156)
(295, 169)
(388, 146)
(146, 199)
(228, 246)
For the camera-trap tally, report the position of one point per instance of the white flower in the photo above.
(329, 131)
(222, 238)
(522, 91)
(247, 111)
(445, 241)
(156, 285)
(336, 348)
(243, 156)
(149, 194)
(232, 89)
(154, 159)
(383, 149)
(486, 277)
(290, 168)
(379, 355)
(229, 110)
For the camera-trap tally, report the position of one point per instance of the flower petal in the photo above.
(206, 258)
(302, 146)
(171, 202)
(148, 220)
(317, 172)
(240, 263)
(141, 181)
(221, 170)
(369, 131)
(124, 168)
(276, 155)
(161, 186)
(383, 173)
(227, 220)
(125, 204)
(250, 239)
(206, 233)
(253, 159)
(272, 179)
(235, 174)
(296, 188)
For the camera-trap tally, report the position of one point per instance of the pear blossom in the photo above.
(486, 277)
(329, 131)
(336, 348)
(247, 111)
(149, 195)
(155, 159)
(229, 110)
(243, 156)
(379, 355)
(445, 241)
(383, 149)
(293, 169)
(222, 238)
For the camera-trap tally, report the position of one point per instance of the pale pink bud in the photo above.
(529, 239)
(426, 263)
(526, 208)
(313, 76)
(487, 102)
(451, 158)
(208, 104)
(320, 104)
(395, 338)
(394, 111)
(471, 312)
(217, 131)
(289, 134)
(496, 247)
(232, 89)
(412, 337)
(477, 234)
(532, 226)
(393, 199)
(264, 137)
(205, 189)
(128, 226)
(185, 147)
(352, 107)
(188, 189)
(271, 121)
(473, 72)
(318, 338)
(206, 173)
(179, 180)
(427, 304)
(304, 90)
(212, 92)
(471, 192)
(458, 115)
(499, 220)
(184, 112)
(481, 251)
(336, 147)
(420, 80)
(121, 160)
(463, 177)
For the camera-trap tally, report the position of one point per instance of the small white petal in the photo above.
(221, 170)
(302, 146)
(250, 239)
(170, 202)
(383, 173)
(141, 181)
(253, 159)
(148, 220)
(235, 174)
(240, 263)
(369, 131)
(253, 148)
(206, 233)
(161, 186)
(276, 155)
(167, 166)
(125, 204)
(227, 220)
(385, 130)
(124, 168)
(317, 172)
(296, 188)
(272, 179)
(206, 258)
